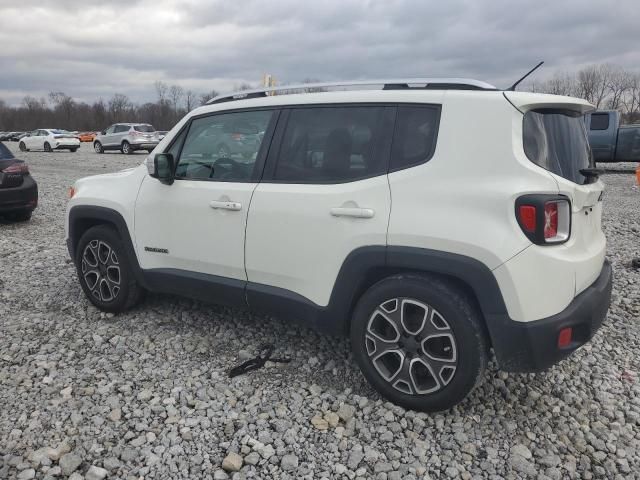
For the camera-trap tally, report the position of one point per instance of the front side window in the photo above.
(557, 141)
(414, 139)
(110, 130)
(331, 145)
(223, 147)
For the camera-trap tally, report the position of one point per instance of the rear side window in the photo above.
(332, 144)
(557, 141)
(144, 128)
(414, 139)
(599, 121)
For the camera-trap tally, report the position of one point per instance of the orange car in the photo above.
(87, 136)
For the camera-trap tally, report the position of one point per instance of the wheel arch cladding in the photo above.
(368, 265)
(84, 217)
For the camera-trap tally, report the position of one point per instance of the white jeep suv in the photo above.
(429, 220)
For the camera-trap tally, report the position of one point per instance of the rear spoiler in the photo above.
(524, 101)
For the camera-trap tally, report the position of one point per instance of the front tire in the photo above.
(105, 272)
(47, 147)
(73, 150)
(97, 147)
(126, 148)
(419, 341)
(22, 147)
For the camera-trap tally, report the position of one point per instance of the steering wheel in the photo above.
(226, 161)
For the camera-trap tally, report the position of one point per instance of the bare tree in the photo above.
(205, 97)
(32, 103)
(176, 92)
(618, 85)
(63, 104)
(118, 107)
(161, 90)
(189, 99)
(560, 84)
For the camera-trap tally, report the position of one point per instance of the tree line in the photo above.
(60, 110)
(606, 86)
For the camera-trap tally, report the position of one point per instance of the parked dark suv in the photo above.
(18, 190)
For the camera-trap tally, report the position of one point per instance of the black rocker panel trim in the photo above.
(201, 286)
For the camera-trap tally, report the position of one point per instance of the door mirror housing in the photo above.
(161, 167)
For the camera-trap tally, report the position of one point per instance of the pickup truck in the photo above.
(610, 141)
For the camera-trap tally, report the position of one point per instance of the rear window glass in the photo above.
(144, 128)
(414, 139)
(59, 132)
(5, 153)
(556, 140)
(599, 121)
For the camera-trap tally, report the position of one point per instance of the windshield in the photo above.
(556, 140)
(5, 153)
(144, 128)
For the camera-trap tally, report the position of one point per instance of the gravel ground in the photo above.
(145, 394)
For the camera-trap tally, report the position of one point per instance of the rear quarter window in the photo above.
(415, 135)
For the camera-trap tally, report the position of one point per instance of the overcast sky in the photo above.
(90, 49)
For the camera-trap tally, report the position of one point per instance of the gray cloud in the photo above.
(92, 49)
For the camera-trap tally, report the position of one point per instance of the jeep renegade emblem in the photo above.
(156, 250)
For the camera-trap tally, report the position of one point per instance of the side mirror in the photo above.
(162, 167)
(103, 132)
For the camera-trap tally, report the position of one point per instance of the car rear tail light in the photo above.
(237, 136)
(565, 337)
(544, 219)
(17, 168)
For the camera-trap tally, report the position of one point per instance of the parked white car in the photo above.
(49, 139)
(430, 221)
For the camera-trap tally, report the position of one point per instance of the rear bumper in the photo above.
(533, 346)
(143, 145)
(24, 197)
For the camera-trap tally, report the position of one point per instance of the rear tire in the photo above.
(419, 341)
(126, 148)
(72, 150)
(105, 272)
(97, 147)
(47, 147)
(22, 147)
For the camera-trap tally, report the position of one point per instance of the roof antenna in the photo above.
(512, 88)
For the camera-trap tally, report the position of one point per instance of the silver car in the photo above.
(127, 137)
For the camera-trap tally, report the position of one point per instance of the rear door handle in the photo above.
(355, 212)
(225, 205)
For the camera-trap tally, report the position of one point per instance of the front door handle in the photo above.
(225, 205)
(355, 212)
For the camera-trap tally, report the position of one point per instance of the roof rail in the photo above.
(386, 84)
